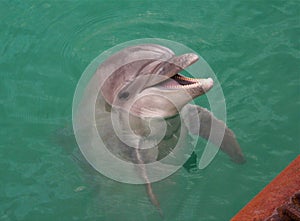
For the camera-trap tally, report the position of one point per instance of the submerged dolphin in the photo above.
(141, 86)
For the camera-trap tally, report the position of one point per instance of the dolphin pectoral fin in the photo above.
(229, 143)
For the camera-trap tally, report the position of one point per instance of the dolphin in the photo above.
(141, 86)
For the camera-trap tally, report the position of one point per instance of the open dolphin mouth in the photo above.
(179, 81)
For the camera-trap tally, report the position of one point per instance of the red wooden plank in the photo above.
(274, 195)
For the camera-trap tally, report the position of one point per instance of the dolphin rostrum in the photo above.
(141, 87)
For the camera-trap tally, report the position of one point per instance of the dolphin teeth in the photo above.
(178, 81)
(191, 85)
(185, 78)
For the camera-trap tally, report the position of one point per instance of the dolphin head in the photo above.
(145, 81)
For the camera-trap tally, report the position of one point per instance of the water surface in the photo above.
(253, 47)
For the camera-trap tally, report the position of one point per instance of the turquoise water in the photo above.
(253, 47)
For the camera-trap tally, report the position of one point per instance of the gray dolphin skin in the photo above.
(141, 86)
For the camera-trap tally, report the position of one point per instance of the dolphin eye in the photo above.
(123, 95)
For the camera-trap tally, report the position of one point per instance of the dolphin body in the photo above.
(142, 87)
